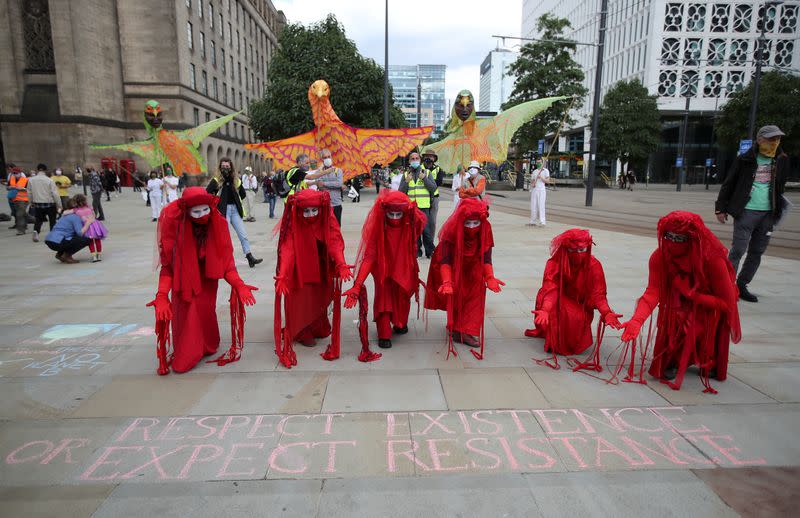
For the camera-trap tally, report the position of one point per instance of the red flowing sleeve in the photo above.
(649, 299)
(335, 242)
(599, 291)
(548, 293)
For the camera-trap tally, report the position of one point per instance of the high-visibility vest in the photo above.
(435, 172)
(21, 183)
(300, 186)
(418, 192)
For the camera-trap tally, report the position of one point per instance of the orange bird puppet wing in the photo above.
(354, 150)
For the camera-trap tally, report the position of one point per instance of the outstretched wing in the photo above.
(196, 135)
(284, 152)
(143, 148)
(381, 146)
(501, 128)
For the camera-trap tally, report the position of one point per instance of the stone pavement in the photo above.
(88, 429)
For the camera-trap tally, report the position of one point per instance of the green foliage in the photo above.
(630, 125)
(320, 51)
(546, 69)
(776, 105)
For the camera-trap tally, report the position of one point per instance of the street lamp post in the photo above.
(760, 42)
(684, 131)
(386, 70)
(598, 77)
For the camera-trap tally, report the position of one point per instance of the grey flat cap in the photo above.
(769, 132)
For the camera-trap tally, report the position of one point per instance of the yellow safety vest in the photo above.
(435, 172)
(418, 192)
(300, 186)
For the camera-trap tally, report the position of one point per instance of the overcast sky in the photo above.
(438, 32)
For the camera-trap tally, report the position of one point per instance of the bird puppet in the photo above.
(354, 150)
(484, 140)
(176, 148)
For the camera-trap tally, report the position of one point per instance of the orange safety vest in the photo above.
(22, 183)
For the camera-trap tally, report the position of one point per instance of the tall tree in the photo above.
(776, 105)
(630, 125)
(319, 51)
(546, 69)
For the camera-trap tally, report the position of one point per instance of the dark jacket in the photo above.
(735, 191)
(227, 191)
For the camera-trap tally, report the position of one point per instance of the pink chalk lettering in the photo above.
(602, 446)
(223, 472)
(329, 422)
(391, 424)
(512, 461)
(229, 424)
(66, 446)
(658, 411)
(547, 422)
(434, 422)
(567, 443)
(89, 474)
(282, 450)
(135, 427)
(196, 459)
(523, 445)
(498, 428)
(155, 461)
(258, 425)
(726, 451)
(483, 453)
(608, 422)
(391, 454)
(332, 452)
(515, 417)
(664, 450)
(13, 457)
(465, 423)
(623, 422)
(212, 430)
(281, 428)
(163, 436)
(436, 455)
(675, 444)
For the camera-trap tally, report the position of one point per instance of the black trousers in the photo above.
(42, 213)
(751, 233)
(426, 239)
(97, 204)
(69, 246)
(337, 211)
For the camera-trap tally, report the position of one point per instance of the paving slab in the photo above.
(490, 388)
(52, 501)
(34, 398)
(730, 391)
(780, 381)
(756, 491)
(384, 391)
(56, 361)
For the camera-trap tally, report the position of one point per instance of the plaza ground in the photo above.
(88, 429)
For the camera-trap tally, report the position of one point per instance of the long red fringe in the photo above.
(238, 318)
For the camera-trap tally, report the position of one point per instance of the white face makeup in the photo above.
(472, 223)
(580, 250)
(199, 211)
(310, 212)
(394, 215)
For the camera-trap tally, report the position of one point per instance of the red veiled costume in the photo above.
(309, 277)
(573, 286)
(462, 265)
(694, 286)
(388, 250)
(194, 255)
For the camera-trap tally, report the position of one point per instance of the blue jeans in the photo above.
(271, 199)
(233, 217)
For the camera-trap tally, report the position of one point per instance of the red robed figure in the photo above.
(195, 252)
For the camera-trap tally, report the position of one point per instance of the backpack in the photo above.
(280, 184)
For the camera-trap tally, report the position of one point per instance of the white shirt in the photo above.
(172, 182)
(249, 182)
(396, 179)
(457, 181)
(538, 176)
(154, 185)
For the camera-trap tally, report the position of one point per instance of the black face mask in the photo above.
(428, 162)
(226, 172)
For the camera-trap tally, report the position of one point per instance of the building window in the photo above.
(213, 53)
(208, 117)
(224, 92)
(238, 43)
(204, 83)
(189, 4)
(239, 73)
(190, 34)
(241, 104)
(202, 45)
(214, 90)
(200, 8)
(196, 116)
(38, 36)
(233, 96)
(192, 79)
(230, 34)
(221, 27)
(222, 52)
(211, 15)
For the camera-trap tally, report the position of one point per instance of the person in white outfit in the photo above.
(155, 186)
(250, 186)
(458, 179)
(539, 177)
(171, 187)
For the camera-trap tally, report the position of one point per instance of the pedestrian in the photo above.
(420, 187)
(429, 158)
(473, 185)
(63, 184)
(67, 238)
(540, 176)
(118, 185)
(250, 186)
(17, 188)
(96, 188)
(137, 182)
(296, 176)
(356, 184)
(376, 177)
(395, 178)
(228, 187)
(44, 199)
(752, 194)
(171, 186)
(155, 189)
(631, 178)
(331, 181)
(622, 179)
(92, 229)
(182, 182)
(109, 182)
(459, 177)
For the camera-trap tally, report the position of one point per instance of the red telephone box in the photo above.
(109, 163)
(126, 170)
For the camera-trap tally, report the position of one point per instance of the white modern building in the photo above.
(701, 49)
(496, 83)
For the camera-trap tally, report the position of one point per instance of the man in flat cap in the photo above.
(752, 193)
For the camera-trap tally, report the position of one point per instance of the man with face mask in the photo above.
(195, 252)
(539, 177)
(309, 275)
(753, 194)
(693, 284)
(461, 271)
(429, 158)
(229, 188)
(419, 186)
(473, 185)
(330, 180)
(573, 286)
(387, 251)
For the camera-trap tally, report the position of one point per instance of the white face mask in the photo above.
(472, 223)
(199, 211)
(310, 212)
(473, 171)
(327, 162)
(394, 215)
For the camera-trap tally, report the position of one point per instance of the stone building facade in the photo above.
(78, 72)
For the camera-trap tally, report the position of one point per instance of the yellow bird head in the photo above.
(319, 89)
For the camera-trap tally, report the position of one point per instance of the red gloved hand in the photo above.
(245, 293)
(345, 272)
(492, 282)
(281, 286)
(162, 306)
(541, 318)
(351, 296)
(632, 329)
(447, 280)
(612, 319)
(446, 288)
